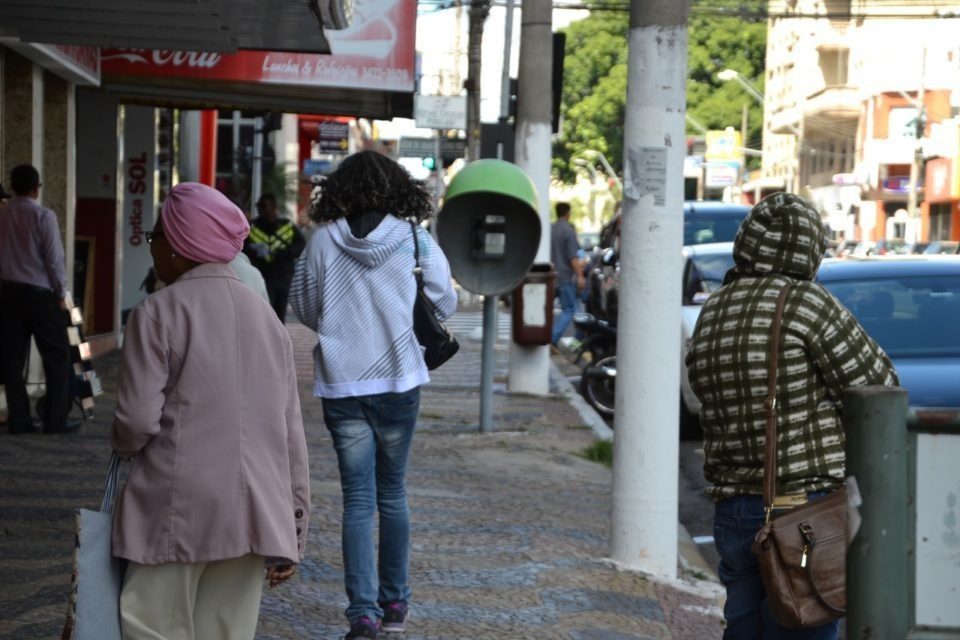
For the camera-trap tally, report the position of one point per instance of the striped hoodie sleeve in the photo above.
(436, 277)
(305, 290)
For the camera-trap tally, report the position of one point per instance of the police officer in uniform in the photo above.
(273, 246)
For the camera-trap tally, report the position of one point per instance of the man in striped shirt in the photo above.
(824, 350)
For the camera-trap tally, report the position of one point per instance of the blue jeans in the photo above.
(567, 293)
(735, 524)
(372, 436)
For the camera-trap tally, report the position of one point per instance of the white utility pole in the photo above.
(530, 366)
(644, 527)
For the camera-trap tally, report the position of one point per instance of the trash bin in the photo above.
(532, 306)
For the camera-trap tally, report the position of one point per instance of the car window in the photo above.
(703, 275)
(908, 317)
(703, 229)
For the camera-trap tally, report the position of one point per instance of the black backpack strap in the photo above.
(417, 271)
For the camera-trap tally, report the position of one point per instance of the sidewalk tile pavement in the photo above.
(509, 529)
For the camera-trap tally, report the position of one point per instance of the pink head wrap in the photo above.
(202, 224)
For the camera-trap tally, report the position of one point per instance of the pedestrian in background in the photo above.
(273, 246)
(207, 402)
(565, 255)
(33, 285)
(824, 351)
(355, 287)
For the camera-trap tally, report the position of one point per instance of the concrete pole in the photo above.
(644, 527)
(530, 366)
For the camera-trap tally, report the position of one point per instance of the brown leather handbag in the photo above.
(802, 550)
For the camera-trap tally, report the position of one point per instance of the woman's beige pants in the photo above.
(202, 601)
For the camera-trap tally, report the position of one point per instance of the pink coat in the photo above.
(207, 401)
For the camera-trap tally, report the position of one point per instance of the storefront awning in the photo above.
(190, 25)
(369, 71)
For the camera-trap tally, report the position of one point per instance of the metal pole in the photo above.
(644, 515)
(438, 167)
(878, 560)
(530, 366)
(917, 162)
(256, 179)
(236, 152)
(486, 366)
(505, 75)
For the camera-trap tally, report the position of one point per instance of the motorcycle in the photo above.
(598, 350)
(599, 338)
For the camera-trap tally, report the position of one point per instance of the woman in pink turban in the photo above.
(207, 407)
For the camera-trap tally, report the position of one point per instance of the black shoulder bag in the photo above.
(438, 343)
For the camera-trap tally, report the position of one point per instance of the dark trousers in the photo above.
(278, 290)
(27, 311)
(746, 612)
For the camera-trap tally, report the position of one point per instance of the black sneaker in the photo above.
(394, 617)
(363, 628)
(70, 425)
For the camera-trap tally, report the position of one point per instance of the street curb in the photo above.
(690, 558)
(590, 417)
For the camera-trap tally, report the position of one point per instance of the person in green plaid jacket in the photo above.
(824, 351)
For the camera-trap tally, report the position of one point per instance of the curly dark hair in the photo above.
(370, 181)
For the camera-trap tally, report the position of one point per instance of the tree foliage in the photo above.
(595, 78)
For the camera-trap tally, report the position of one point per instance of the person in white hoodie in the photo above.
(355, 286)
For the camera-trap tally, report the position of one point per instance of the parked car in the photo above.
(942, 246)
(703, 271)
(910, 306)
(705, 222)
(893, 246)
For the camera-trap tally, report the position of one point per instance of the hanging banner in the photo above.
(139, 198)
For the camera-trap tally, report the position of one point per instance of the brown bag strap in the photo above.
(770, 403)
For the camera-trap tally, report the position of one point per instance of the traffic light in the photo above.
(429, 162)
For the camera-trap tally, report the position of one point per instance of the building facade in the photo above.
(859, 96)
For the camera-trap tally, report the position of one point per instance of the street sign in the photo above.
(334, 136)
(450, 149)
(440, 112)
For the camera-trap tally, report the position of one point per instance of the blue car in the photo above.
(911, 306)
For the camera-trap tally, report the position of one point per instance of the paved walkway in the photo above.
(510, 529)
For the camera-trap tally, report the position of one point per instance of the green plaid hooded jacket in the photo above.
(824, 351)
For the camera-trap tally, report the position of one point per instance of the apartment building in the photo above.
(846, 84)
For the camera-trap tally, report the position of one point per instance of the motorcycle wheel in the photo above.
(598, 383)
(598, 347)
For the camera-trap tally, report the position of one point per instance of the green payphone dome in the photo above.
(489, 226)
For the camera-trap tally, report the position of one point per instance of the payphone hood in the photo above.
(375, 247)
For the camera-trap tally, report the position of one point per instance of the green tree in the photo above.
(722, 34)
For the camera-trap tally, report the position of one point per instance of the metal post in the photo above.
(530, 366)
(256, 180)
(916, 164)
(438, 168)
(644, 514)
(878, 560)
(486, 366)
(505, 73)
(235, 156)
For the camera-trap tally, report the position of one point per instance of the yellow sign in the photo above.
(724, 146)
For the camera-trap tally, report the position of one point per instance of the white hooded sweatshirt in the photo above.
(358, 295)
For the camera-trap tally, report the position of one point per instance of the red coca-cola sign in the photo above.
(375, 52)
